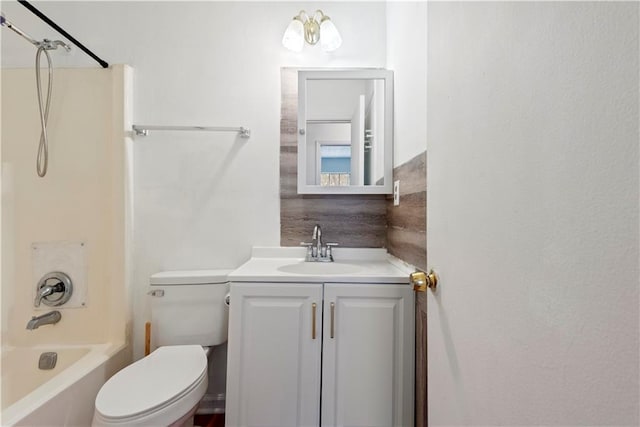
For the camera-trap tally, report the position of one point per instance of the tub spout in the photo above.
(50, 318)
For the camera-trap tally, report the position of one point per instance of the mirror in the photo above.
(345, 132)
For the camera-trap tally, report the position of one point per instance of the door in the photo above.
(421, 360)
(533, 213)
(273, 378)
(367, 372)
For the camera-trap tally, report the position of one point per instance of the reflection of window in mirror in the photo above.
(335, 164)
(326, 133)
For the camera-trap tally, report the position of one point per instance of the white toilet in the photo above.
(188, 313)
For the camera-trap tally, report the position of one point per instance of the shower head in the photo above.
(53, 44)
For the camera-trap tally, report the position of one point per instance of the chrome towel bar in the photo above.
(143, 130)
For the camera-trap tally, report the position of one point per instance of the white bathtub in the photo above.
(63, 396)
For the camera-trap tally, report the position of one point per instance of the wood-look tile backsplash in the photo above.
(406, 231)
(351, 221)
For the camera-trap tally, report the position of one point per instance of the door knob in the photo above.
(421, 280)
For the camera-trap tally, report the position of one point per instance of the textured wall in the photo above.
(350, 220)
(533, 213)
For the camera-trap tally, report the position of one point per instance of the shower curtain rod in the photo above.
(56, 27)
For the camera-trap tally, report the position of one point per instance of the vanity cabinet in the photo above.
(273, 361)
(367, 355)
(308, 354)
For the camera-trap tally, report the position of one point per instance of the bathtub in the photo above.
(62, 396)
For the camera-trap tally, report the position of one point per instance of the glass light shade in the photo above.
(293, 38)
(330, 38)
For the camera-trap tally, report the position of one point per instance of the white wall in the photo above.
(333, 99)
(533, 213)
(201, 200)
(406, 56)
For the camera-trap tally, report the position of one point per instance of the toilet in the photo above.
(188, 316)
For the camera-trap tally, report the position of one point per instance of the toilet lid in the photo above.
(152, 382)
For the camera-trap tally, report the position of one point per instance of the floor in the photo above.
(209, 420)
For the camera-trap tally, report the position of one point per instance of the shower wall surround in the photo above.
(83, 198)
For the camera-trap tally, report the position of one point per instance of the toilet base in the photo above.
(186, 420)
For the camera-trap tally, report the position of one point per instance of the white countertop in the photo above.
(351, 266)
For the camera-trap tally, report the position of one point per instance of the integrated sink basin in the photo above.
(288, 265)
(321, 268)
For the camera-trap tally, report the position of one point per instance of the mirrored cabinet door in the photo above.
(345, 132)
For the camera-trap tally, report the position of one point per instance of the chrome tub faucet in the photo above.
(50, 318)
(53, 289)
(45, 291)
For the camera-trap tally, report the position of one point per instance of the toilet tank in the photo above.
(187, 307)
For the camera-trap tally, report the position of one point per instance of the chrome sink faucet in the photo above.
(50, 318)
(316, 239)
(316, 251)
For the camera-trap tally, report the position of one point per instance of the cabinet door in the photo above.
(367, 368)
(273, 369)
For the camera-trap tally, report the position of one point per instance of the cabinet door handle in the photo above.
(333, 315)
(314, 307)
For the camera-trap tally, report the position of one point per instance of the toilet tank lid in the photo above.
(189, 277)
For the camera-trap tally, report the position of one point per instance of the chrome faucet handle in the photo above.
(45, 292)
(53, 289)
(329, 246)
(309, 247)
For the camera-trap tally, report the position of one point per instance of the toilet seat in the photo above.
(155, 390)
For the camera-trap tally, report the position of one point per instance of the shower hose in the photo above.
(43, 148)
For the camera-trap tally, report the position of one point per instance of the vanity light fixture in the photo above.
(309, 28)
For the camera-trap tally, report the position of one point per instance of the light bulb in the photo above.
(330, 38)
(293, 38)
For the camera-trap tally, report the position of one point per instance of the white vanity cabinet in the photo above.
(368, 355)
(273, 357)
(356, 370)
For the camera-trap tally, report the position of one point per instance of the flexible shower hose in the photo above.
(42, 160)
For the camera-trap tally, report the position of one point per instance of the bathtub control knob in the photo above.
(53, 289)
